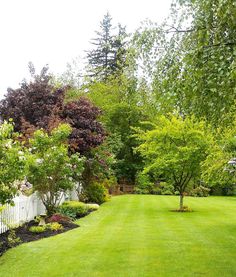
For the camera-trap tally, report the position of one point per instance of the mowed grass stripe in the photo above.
(137, 235)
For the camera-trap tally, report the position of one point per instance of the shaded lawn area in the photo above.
(137, 235)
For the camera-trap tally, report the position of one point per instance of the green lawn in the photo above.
(136, 235)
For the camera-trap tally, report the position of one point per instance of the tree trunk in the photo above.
(50, 209)
(181, 201)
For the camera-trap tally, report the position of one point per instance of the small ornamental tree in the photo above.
(174, 150)
(51, 170)
(12, 163)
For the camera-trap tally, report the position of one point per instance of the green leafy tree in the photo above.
(124, 105)
(191, 58)
(209, 62)
(217, 168)
(122, 118)
(174, 150)
(50, 169)
(12, 163)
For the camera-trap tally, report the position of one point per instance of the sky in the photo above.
(54, 32)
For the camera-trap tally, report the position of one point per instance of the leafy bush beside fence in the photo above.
(95, 193)
(73, 209)
(76, 209)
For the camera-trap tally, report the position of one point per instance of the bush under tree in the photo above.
(95, 193)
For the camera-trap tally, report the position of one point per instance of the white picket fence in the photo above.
(24, 210)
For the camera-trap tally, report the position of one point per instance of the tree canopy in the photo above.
(191, 58)
(40, 104)
(174, 150)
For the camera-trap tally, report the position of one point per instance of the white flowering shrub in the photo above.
(12, 162)
(51, 169)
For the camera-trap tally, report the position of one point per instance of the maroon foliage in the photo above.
(59, 218)
(33, 103)
(87, 131)
(38, 104)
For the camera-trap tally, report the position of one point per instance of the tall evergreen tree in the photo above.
(108, 56)
(120, 49)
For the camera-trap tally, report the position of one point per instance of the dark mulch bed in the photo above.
(25, 235)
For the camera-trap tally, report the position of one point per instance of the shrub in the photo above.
(38, 229)
(139, 190)
(96, 193)
(224, 189)
(156, 190)
(92, 207)
(144, 186)
(12, 239)
(73, 209)
(60, 218)
(54, 226)
(166, 189)
(200, 191)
